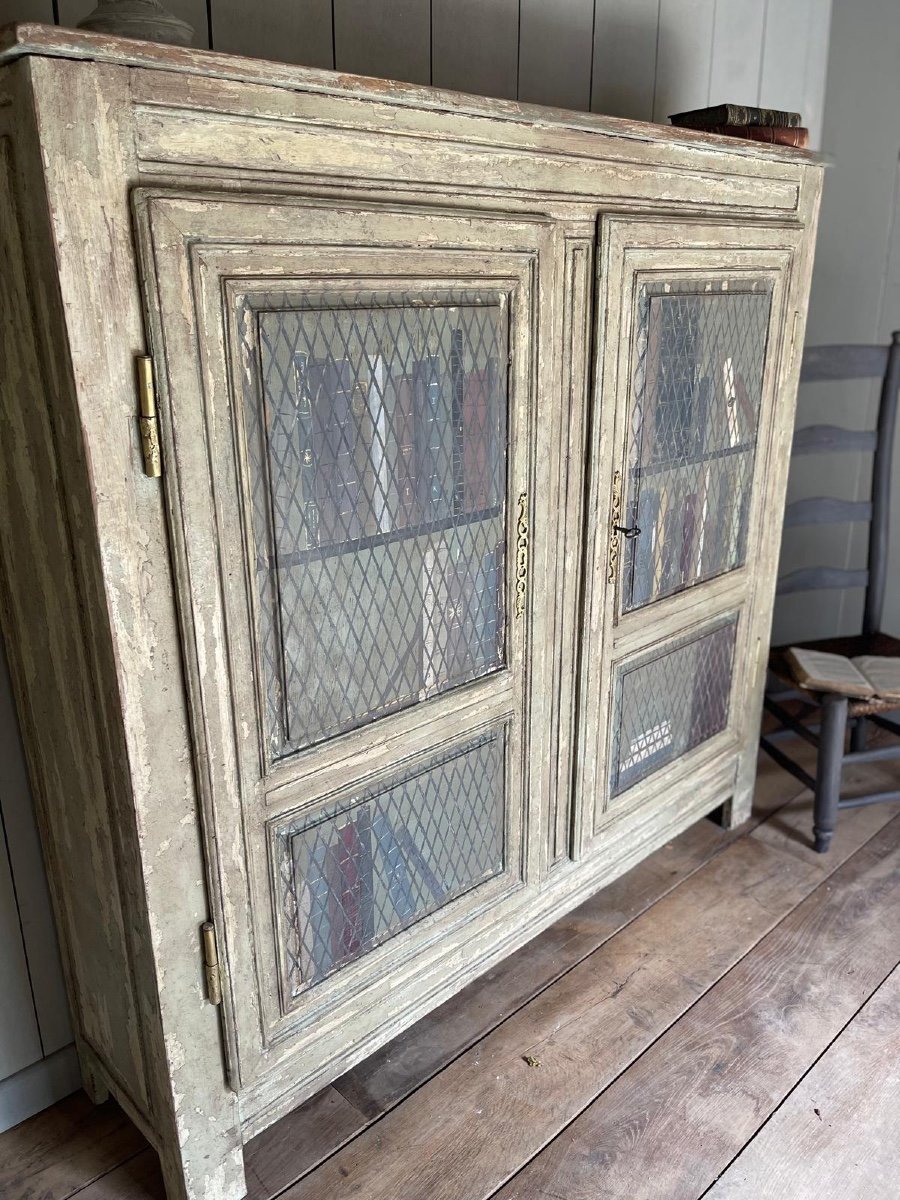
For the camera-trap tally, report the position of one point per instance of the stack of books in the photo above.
(772, 125)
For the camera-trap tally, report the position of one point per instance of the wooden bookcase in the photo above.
(432, 589)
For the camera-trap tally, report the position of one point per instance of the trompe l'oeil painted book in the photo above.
(864, 676)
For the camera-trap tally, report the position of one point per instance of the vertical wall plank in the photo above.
(300, 32)
(20, 1044)
(390, 39)
(555, 53)
(684, 56)
(26, 10)
(625, 37)
(32, 894)
(475, 46)
(783, 79)
(736, 51)
(192, 11)
(818, 37)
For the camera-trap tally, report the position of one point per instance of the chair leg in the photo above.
(828, 773)
(858, 733)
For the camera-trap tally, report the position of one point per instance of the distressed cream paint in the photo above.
(143, 191)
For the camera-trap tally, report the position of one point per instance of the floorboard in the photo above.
(463, 1134)
(838, 1132)
(451, 1109)
(292, 1147)
(63, 1149)
(682, 1113)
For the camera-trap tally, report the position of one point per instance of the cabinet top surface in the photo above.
(51, 41)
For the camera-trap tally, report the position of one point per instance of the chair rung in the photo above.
(878, 754)
(829, 439)
(788, 763)
(871, 798)
(814, 579)
(789, 720)
(825, 510)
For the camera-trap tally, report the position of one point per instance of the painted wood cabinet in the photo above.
(391, 495)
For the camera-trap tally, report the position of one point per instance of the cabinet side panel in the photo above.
(84, 125)
(42, 627)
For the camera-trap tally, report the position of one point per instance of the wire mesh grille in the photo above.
(358, 875)
(700, 352)
(668, 704)
(377, 445)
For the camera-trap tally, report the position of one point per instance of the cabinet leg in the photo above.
(92, 1078)
(197, 1173)
(736, 810)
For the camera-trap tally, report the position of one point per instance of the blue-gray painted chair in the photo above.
(835, 712)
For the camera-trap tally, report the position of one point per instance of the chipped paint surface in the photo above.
(159, 796)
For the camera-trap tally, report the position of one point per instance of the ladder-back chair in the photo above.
(835, 712)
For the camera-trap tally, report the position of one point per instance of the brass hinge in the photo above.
(147, 419)
(211, 963)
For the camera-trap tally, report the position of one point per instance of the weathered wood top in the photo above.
(54, 41)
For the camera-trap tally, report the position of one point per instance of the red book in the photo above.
(774, 134)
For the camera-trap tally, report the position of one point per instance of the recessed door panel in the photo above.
(699, 354)
(689, 351)
(350, 416)
(359, 871)
(378, 448)
(670, 701)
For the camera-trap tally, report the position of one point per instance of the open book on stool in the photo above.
(865, 676)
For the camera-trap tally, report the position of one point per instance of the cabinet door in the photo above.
(350, 418)
(692, 320)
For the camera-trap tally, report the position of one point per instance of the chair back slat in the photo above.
(881, 490)
(826, 510)
(814, 579)
(832, 439)
(843, 362)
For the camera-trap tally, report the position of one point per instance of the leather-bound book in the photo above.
(735, 114)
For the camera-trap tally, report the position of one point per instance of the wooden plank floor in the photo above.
(722, 1022)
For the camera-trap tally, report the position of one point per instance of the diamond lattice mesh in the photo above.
(377, 446)
(700, 352)
(668, 704)
(357, 876)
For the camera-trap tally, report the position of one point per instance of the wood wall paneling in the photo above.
(20, 1043)
(785, 43)
(475, 46)
(556, 53)
(301, 32)
(818, 35)
(624, 58)
(192, 11)
(390, 39)
(737, 42)
(684, 56)
(32, 894)
(641, 59)
(26, 10)
(852, 299)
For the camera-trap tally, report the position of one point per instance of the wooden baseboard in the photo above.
(38, 1086)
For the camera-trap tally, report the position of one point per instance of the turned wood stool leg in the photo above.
(828, 773)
